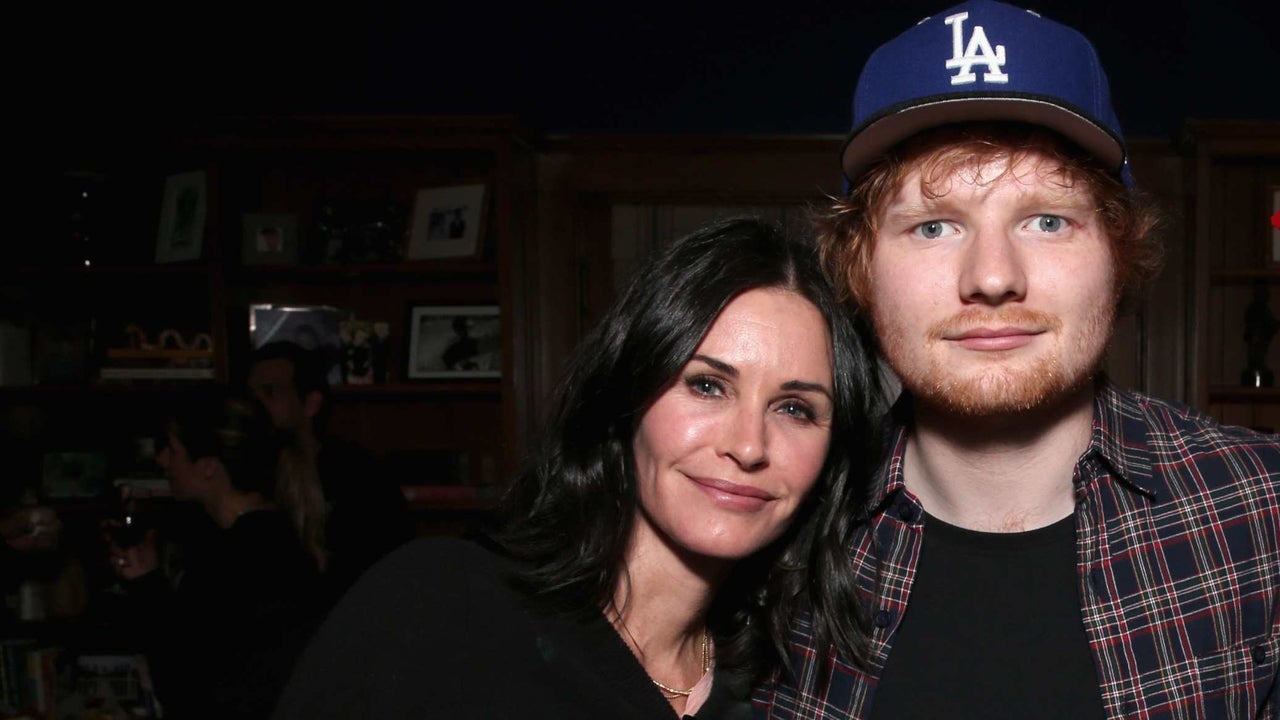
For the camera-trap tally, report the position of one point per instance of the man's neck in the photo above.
(1002, 473)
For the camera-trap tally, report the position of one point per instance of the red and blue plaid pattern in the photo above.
(1178, 550)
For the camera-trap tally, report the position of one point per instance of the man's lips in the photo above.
(997, 338)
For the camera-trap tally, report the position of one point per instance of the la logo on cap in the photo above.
(977, 52)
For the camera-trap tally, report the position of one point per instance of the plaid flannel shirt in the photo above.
(1177, 519)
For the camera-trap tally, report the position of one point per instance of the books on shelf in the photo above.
(157, 373)
(132, 363)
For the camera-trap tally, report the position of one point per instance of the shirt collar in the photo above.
(1120, 437)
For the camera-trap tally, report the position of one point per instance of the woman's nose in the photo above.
(744, 438)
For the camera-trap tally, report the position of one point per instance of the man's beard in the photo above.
(1003, 386)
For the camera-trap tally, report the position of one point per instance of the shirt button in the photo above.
(1260, 654)
(883, 618)
(907, 512)
(1099, 582)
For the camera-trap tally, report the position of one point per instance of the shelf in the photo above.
(106, 389)
(64, 271)
(405, 270)
(1271, 274)
(1240, 393)
(398, 390)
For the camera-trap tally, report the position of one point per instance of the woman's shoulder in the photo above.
(435, 570)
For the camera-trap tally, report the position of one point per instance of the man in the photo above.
(365, 515)
(1039, 542)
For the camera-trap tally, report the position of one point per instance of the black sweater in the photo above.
(435, 631)
(223, 643)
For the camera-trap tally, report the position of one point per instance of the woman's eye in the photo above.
(704, 386)
(933, 229)
(1049, 223)
(796, 409)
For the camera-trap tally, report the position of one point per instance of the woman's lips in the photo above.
(732, 495)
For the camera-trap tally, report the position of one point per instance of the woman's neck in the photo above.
(660, 609)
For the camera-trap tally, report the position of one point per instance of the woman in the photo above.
(695, 486)
(222, 641)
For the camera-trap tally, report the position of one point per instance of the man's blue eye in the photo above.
(931, 230)
(1049, 223)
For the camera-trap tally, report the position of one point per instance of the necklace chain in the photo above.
(671, 693)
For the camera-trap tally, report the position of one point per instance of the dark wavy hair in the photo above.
(214, 422)
(571, 511)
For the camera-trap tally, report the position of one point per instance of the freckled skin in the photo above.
(998, 296)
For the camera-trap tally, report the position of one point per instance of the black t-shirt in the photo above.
(993, 629)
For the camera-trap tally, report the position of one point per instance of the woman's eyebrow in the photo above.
(720, 365)
(807, 386)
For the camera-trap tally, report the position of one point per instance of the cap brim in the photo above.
(868, 143)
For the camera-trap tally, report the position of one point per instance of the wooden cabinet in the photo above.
(1236, 171)
(334, 178)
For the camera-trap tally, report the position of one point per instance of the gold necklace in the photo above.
(671, 693)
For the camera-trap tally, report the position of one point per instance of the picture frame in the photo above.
(269, 239)
(448, 222)
(73, 475)
(454, 341)
(313, 327)
(183, 210)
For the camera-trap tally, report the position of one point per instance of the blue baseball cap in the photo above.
(984, 61)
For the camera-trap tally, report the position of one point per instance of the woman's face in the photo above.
(727, 452)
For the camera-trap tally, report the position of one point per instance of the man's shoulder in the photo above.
(1188, 451)
(1176, 424)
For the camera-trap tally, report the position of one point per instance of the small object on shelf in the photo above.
(379, 346)
(454, 342)
(360, 231)
(357, 351)
(1259, 327)
(270, 239)
(182, 218)
(1275, 226)
(83, 206)
(172, 356)
(448, 222)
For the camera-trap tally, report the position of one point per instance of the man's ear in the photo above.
(311, 404)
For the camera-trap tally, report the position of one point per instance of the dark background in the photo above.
(595, 67)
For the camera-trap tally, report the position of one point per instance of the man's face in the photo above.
(271, 382)
(996, 296)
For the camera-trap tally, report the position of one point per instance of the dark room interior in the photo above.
(212, 182)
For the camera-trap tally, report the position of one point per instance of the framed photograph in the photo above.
(313, 327)
(270, 240)
(182, 217)
(448, 222)
(1275, 225)
(454, 341)
(67, 475)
